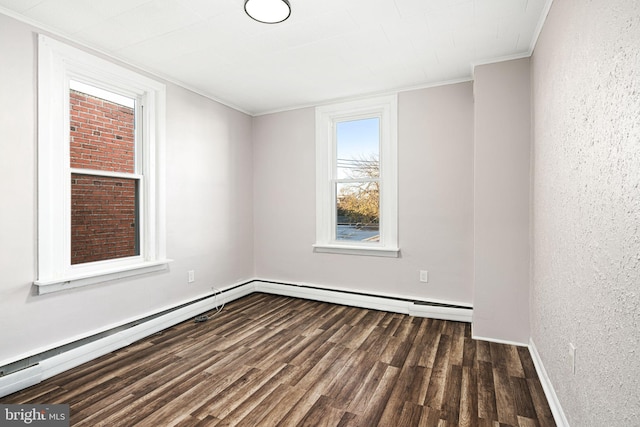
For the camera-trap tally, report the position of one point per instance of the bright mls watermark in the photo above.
(34, 415)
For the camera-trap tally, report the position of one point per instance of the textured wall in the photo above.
(586, 227)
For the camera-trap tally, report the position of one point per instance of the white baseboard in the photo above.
(499, 341)
(59, 363)
(372, 302)
(549, 391)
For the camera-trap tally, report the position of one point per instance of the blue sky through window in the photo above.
(357, 140)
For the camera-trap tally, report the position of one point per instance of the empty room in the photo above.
(303, 212)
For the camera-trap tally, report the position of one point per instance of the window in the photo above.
(356, 176)
(100, 169)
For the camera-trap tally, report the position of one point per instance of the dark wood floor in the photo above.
(268, 360)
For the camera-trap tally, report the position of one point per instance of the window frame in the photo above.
(58, 63)
(327, 116)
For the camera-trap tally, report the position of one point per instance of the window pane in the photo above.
(104, 218)
(358, 211)
(358, 148)
(102, 133)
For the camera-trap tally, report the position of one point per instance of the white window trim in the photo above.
(386, 108)
(57, 64)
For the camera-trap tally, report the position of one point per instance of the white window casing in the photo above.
(384, 108)
(59, 63)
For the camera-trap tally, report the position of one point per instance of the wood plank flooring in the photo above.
(268, 360)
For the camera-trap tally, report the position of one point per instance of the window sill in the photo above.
(357, 250)
(64, 283)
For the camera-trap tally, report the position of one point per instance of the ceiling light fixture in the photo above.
(268, 11)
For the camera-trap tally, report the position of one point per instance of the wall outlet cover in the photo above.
(424, 276)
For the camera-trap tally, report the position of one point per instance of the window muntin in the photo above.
(356, 177)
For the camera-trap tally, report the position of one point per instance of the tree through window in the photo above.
(358, 180)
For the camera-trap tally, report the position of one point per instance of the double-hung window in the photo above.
(356, 177)
(100, 170)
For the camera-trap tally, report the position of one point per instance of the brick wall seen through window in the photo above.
(104, 219)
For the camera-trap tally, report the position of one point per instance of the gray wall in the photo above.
(209, 212)
(502, 141)
(435, 150)
(586, 210)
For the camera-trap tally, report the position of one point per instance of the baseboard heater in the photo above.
(412, 307)
(31, 370)
(38, 367)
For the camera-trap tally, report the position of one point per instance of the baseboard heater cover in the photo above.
(15, 376)
(21, 374)
(21, 379)
(436, 310)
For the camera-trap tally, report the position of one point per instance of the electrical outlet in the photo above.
(572, 357)
(192, 276)
(424, 276)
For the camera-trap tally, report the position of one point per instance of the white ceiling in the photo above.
(326, 50)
